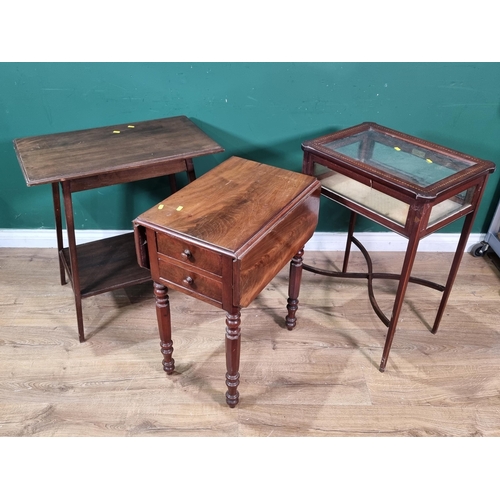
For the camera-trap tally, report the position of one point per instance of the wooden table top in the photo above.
(231, 204)
(84, 153)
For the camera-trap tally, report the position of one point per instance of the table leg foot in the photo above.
(232, 395)
(293, 289)
(164, 327)
(233, 343)
(79, 318)
(167, 350)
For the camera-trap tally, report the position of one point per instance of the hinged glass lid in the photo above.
(395, 156)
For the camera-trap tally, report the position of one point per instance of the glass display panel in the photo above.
(449, 207)
(416, 164)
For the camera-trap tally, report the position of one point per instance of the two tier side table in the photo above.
(93, 158)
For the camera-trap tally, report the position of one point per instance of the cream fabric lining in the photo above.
(382, 203)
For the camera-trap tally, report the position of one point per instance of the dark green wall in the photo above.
(261, 111)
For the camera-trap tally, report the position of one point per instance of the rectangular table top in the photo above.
(84, 153)
(230, 205)
(397, 159)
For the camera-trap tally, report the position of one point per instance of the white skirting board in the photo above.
(328, 242)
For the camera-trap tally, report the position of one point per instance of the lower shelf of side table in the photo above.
(106, 264)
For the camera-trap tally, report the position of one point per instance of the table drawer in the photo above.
(182, 251)
(190, 280)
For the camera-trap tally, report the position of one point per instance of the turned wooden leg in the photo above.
(233, 342)
(164, 326)
(293, 289)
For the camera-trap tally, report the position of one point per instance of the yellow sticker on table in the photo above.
(397, 149)
(160, 207)
(179, 208)
(428, 161)
(116, 131)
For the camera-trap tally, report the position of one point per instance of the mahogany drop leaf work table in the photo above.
(93, 158)
(410, 186)
(221, 239)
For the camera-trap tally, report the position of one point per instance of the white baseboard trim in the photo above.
(331, 242)
(390, 242)
(46, 238)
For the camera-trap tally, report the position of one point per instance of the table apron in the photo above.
(131, 174)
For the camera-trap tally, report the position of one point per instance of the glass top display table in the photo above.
(408, 185)
(93, 158)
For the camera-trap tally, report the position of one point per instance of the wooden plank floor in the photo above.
(322, 379)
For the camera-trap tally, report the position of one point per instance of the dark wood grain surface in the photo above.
(82, 153)
(230, 204)
(106, 264)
